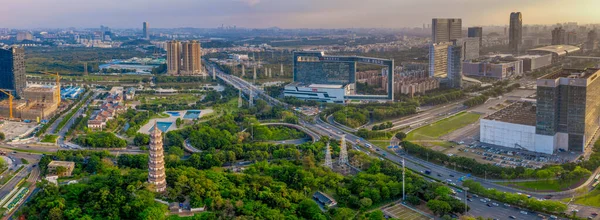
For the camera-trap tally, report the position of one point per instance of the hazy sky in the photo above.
(287, 13)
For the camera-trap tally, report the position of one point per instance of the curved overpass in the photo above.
(314, 136)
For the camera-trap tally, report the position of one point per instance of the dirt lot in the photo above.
(13, 129)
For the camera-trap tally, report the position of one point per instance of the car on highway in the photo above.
(553, 217)
(523, 212)
(495, 204)
(512, 217)
(451, 175)
(440, 175)
(470, 200)
(489, 205)
(506, 204)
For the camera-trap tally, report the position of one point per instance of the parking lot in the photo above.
(511, 157)
(400, 211)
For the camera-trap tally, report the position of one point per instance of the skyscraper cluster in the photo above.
(449, 49)
(184, 58)
(12, 70)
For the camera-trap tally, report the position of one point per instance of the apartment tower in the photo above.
(558, 36)
(173, 57)
(192, 62)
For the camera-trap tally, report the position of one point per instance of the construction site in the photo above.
(37, 103)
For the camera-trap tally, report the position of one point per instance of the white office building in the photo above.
(319, 92)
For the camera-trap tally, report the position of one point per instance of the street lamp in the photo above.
(466, 189)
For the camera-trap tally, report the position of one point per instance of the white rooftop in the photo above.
(325, 86)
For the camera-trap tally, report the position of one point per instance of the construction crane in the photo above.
(57, 86)
(10, 103)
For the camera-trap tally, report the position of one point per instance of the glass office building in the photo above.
(567, 107)
(314, 67)
(12, 70)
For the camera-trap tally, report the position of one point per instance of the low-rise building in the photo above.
(499, 68)
(534, 62)
(512, 126)
(109, 109)
(324, 199)
(558, 51)
(68, 165)
(319, 92)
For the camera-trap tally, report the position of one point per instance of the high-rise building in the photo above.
(455, 65)
(558, 36)
(12, 70)
(567, 108)
(445, 61)
(470, 48)
(156, 164)
(591, 43)
(146, 30)
(438, 59)
(184, 57)
(192, 56)
(592, 36)
(21, 36)
(446, 29)
(515, 34)
(571, 38)
(173, 57)
(476, 32)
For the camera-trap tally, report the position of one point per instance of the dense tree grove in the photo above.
(110, 195)
(100, 140)
(440, 98)
(352, 116)
(382, 126)
(280, 189)
(364, 133)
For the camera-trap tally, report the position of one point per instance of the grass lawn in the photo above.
(543, 185)
(380, 143)
(49, 138)
(590, 199)
(442, 127)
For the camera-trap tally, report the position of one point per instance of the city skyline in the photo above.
(288, 14)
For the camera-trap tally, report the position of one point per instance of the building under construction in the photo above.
(37, 103)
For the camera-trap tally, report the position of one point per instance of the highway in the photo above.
(478, 208)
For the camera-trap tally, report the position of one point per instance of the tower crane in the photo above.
(10, 103)
(58, 77)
